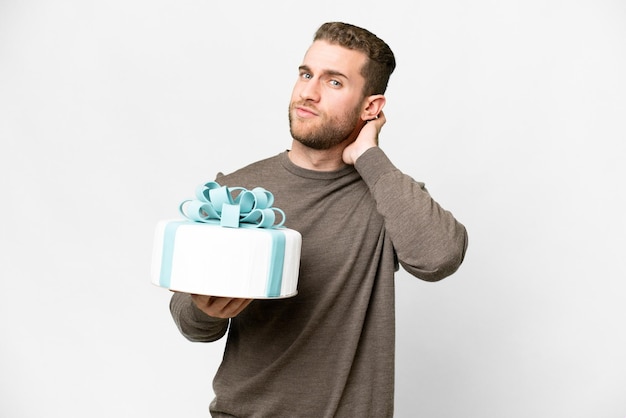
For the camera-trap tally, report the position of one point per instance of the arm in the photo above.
(429, 242)
(204, 318)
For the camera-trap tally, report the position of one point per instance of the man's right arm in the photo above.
(193, 323)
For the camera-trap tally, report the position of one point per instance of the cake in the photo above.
(229, 244)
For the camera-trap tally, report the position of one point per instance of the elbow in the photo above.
(434, 273)
(442, 263)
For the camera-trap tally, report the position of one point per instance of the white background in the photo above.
(512, 113)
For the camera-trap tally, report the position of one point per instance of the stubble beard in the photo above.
(325, 133)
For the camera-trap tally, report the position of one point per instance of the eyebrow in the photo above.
(325, 72)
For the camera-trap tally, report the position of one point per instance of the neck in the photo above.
(318, 160)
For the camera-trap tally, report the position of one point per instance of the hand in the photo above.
(220, 307)
(367, 138)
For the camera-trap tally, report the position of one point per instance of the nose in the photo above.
(309, 90)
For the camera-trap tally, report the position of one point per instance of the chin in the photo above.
(299, 131)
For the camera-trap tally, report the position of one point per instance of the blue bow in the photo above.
(216, 204)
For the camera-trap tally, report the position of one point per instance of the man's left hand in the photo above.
(367, 138)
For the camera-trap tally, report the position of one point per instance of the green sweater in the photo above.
(329, 351)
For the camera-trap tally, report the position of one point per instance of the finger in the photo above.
(234, 306)
(217, 303)
(201, 301)
(220, 307)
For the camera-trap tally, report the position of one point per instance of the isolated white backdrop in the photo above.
(511, 112)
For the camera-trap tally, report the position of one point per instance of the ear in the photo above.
(373, 105)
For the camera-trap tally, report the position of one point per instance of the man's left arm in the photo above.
(429, 242)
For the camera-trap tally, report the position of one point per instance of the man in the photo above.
(329, 351)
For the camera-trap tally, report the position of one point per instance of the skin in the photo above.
(328, 88)
(332, 125)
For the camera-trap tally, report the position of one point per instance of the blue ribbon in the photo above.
(215, 204)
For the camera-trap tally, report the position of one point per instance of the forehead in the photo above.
(325, 57)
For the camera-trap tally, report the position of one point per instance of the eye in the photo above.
(306, 76)
(335, 83)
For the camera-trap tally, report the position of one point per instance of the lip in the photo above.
(305, 112)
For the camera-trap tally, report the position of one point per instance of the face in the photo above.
(327, 100)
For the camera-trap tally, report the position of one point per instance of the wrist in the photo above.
(359, 151)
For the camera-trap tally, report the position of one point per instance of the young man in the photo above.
(329, 351)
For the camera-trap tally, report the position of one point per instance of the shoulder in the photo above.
(250, 175)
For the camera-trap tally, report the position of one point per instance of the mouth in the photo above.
(305, 112)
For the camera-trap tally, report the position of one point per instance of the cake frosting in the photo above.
(228, 243)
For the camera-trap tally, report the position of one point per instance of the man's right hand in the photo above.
(220, 307)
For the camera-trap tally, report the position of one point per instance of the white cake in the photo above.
(227, 245)
(209, 259)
